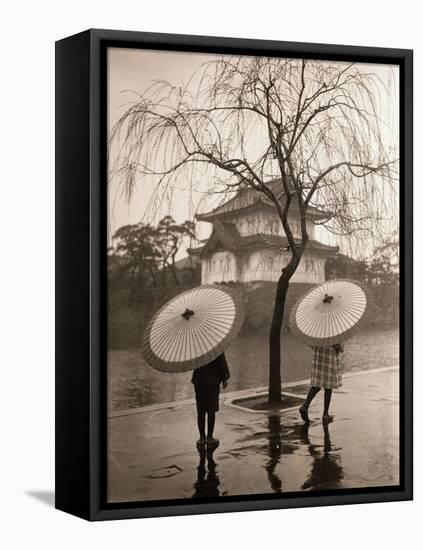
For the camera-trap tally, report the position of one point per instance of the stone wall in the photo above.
(128, 315)
(383, 304)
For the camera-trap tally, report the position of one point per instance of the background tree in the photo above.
(384, 266)
(168, 241)
(341, 266)
(316, 125)
(145, 252)
(135, 254)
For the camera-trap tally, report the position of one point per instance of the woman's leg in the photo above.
(313, 391)
(211, 419)
(201, 421)
(328, 397)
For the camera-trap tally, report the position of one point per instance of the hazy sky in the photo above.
(132, 70)
(135, 70)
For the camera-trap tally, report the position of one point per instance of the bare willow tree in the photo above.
(317, 126)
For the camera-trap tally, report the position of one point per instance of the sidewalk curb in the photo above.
(228, 398)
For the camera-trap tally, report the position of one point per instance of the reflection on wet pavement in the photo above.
(207, 483)
(153, 454)
(326, 471)
(275, 451)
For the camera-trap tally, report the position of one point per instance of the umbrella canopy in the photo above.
(193, 328)
(329, 313)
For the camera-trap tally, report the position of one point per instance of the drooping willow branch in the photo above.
(318, 127)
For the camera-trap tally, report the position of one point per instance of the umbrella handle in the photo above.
(187, 314)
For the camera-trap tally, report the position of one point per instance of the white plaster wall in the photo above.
(310, 270)
(259, 265)
(268, 223)
(266, 265)
(219, 267)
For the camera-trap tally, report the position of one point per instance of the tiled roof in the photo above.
(228, 235)
(187, 263)
(280, 242)
(231, 230)
(195, 250)
(248, 198)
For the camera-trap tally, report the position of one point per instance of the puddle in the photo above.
(260, 403)
(168, 471)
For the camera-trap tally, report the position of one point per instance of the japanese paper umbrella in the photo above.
(329, 313)
(193, 328)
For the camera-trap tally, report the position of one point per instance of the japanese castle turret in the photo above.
(248, 243)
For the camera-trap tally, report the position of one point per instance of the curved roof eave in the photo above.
(224, 212)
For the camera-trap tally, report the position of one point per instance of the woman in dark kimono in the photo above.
(207, 380)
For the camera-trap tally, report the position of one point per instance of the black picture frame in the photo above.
(81, 282)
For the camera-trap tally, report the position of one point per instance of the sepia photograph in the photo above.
(253, 276)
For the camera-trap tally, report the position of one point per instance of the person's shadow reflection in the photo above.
(274, 452)
(207, 484)
(326, 471)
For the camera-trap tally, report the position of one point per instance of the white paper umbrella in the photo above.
(193, 328)
(329, 313)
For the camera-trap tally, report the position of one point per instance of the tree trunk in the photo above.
(275, 339)
(153, 276)
(175, 276)
(163, 274)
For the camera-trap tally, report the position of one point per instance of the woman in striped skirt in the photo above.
(325, 373)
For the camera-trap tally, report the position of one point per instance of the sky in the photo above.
(131, 72)
(134, 70)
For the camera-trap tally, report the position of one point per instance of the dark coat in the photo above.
(212, 374)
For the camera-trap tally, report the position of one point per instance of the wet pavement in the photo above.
(152, 452)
